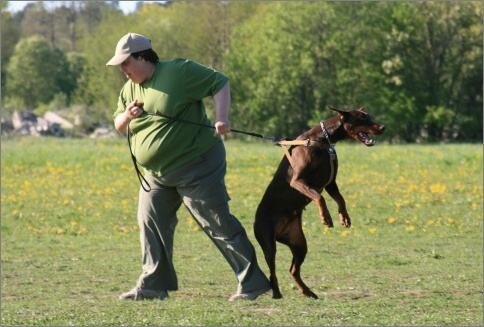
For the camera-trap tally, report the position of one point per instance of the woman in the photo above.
(183, 163)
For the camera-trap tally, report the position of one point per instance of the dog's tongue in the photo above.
(364, 138)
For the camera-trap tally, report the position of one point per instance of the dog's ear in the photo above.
(340, 112)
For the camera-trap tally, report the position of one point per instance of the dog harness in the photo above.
(309, 142)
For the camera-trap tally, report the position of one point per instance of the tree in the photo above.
(10, 33)
(417, 66)
(431, 51)
(282, 70)
(37, 73)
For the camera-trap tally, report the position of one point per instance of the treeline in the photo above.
(416, 66)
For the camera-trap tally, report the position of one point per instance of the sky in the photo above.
(126, 6)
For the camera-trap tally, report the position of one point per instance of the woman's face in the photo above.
(137, 70)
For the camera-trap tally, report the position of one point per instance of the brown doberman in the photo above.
(310, 165)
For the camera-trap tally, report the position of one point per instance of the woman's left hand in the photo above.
(222, 128)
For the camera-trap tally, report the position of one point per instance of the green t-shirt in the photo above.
(176, 89)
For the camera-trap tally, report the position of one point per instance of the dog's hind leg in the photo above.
(265, 235)
(299, 248)
(270, 256)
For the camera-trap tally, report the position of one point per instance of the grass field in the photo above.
(412, 257)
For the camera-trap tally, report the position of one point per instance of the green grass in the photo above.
(413, 256)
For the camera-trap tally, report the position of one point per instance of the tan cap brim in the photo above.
(118, 59)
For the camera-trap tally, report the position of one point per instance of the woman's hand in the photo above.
(134, 109)
(222, 127)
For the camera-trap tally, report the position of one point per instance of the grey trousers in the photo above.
(200, 186)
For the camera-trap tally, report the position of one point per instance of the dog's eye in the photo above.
(365, 117)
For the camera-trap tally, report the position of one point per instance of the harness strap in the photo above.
(331, 152)
(288, 155)
(332, 156)
(306, 143)
(284, 145)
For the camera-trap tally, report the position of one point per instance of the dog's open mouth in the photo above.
(365, 139)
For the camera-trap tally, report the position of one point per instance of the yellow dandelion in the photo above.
(81, 231)
(15, 211)
(344, 233)
(125, 167)
(372, 230)
(410, 228)
(438, 188)
(391, 220)
(29, 227)
(73, 223)
(60, 231)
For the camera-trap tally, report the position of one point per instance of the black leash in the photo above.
(142, 179)
(271, 138)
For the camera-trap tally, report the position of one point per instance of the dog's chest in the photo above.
(321, 167)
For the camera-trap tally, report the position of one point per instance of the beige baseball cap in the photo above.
(130, 43)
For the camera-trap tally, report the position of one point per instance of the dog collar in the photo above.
(326, 135)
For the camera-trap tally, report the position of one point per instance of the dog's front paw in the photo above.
(327, 220)
(345, 219)
(324, 214)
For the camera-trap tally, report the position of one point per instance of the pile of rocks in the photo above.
(28, 123)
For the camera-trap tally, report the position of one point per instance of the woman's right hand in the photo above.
(134, 109)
